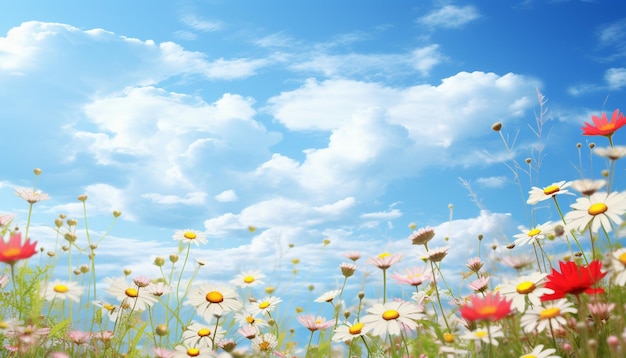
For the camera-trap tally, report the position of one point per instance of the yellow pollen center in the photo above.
(486, 310)
(214, 297)
(263, 346)
(597, 209)
(204, 332)
(4, 325)
(250, 319)
(248, 279)
(131, 292)
(552, 189)
(448, 337)
(549, 313)
(190, 235)
(608, 126)
(480, 334)
(60, 289)
(526, 287)
(108, 307)
(318, 321)
(622, 258)
(390, 314)
(528, 356)
(193, 352)
(534, 232)
(356, 328)
(263, 305)
(383, 255)
(12, 252)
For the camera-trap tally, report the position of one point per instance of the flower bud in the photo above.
(127, 271)
(72, 222)
(173, 258)
(37, 171)
(117, 213)
(162, 330)
(82, 197)
(159, 261)
(496, 126)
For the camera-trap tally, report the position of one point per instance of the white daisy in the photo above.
(212, 300)
(190, 236)
(62, 290)
(266, 305)
(129, 294)
(391, 318)
(182, 351)
(247, 317)
(550, 315)
(201, 335)
(525, 289)
(541, 194)
(537, 233)
(248, 279)
(487, 336)
(618, 266)
(539, 352)
(264, 343)
(613, 153)
(587, 186)
(328, 296)
(348, 331)
(597, 210)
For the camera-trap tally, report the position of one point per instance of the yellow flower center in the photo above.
(204, 332)
(263, 305)
(4, 325)
(528, 356)
(189, 235)
(622, 258)
(597, 209)
(448, 337)
(248, 279)
(60, 289)
(608, 126)
(264, 346)
(549, 313)
(250, 319)
(486, 310)
(383, 255)
(193, 352)
(131, 292)
(388, 315)
(480, 334)
(356, 328)
(534, 232)
(109, 307)
(12, 252)
(526, 287)
(552, 189)
(214, 297)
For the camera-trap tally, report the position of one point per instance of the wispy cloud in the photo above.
(198, 24)
(451, 16)
(614, 80)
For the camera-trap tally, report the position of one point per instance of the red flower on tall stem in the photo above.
(602, 126)
(14, 251)
(491, 307)
(574, 279)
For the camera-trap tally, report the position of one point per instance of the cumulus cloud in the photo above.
(451, 16)
(227, 196)
(194, 198)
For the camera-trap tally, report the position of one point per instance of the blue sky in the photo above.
(323, 120)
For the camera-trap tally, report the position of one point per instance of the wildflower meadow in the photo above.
(566, 299)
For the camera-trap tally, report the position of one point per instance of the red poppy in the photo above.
(574, 279)
(602, 126)
(492, 307)
(14, 251)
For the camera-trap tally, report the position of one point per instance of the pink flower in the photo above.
(384, 260)
(414, 277)
(313, 323)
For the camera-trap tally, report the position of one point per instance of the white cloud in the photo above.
(382, 215)
(198, 24)
(450, 16)
(615, 78)
(102, 199)
(293, 213)
(194, 198)
(226, 196)
(492, 182)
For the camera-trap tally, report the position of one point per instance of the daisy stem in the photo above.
(345, 279)
(217, 321)
(608, 239)
(558, 208)
(308, 346)
(366, 346)
(180, 276)
(593, 245)
(443, 314)
(384, 286)
(490, 351)
(552, 335)
(537, 257)
(16, 288)
(30, 213)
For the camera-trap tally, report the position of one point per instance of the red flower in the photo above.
(492, 307)
(574, 279)
(602, 126)
(13, 251)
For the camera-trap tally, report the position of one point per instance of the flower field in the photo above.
(566, 300)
